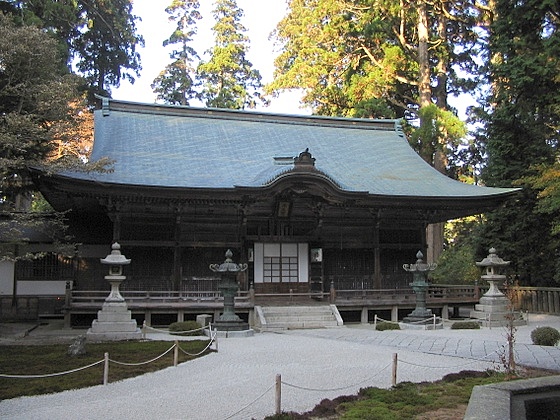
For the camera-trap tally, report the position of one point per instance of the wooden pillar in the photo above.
(376, 258)
(116, 227)
(364, 315)
(395, 313)
(177, 274)
(445, 312)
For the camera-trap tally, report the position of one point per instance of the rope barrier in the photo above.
(173, 332)
(143, 363)
(412, 322)
(336, 389)
(450, 367)
(49, 375)
(202, 351)
(385, 320)
(250, 404)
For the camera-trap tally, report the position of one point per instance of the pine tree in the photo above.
(228, 78)
(176, 83)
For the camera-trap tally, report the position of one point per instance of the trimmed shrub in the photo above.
(179, 328)
(465, 325)
(383, 326)
(545, 336)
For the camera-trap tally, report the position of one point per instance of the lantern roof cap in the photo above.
(492, 260)
(228, 265)
(115, 257)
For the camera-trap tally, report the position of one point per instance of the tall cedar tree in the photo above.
(228, 78)
(523, 132)
(176, 83)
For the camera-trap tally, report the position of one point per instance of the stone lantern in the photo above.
(494, 309)
(420, 285)
(115, 260)
(229, 322)
(114, 320)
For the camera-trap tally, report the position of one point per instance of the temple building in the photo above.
(307, 201)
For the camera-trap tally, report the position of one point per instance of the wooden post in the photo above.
(215, 335)
(375, 322)
(394, 373)
(176, 354)
(278, 394)
(106, 369)
(67, 304)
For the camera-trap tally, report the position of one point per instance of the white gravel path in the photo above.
(238, 381)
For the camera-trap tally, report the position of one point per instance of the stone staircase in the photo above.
(278, 318)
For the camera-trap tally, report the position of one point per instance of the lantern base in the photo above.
(114, 322)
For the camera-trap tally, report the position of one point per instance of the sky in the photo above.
(260, 19)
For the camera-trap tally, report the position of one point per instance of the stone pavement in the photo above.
(486, 344)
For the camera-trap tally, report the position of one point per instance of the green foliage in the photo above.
(407, 400)
(522, 133)
(187, 328)
(356, 60)
(228, 79)
(456, 265)
(175, 84)
(465, 325)
(384, 326)
(47, 359)
(545, 336)
(98, 38)
(106, 43)
(439, 129)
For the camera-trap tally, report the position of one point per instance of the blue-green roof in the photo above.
(169, 146)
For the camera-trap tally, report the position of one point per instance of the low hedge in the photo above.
(383, 326)
(465, 325)
(186, 328)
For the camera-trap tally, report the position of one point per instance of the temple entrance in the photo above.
(281, 267)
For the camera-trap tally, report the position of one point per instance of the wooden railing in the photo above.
(532, 299)
(79, 298)
(536, 299)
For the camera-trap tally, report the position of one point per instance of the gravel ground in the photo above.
(238, 381)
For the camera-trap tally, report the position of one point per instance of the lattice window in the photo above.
(48, 267)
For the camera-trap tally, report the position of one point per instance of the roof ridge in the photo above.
(109, 104)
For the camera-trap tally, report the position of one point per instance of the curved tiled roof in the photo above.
(169, 146)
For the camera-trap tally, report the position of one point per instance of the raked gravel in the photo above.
(238, 381)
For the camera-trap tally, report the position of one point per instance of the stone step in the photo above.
(298, 317)
(275, 318)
